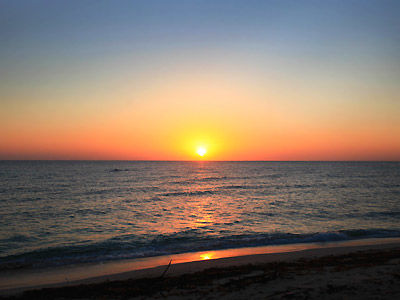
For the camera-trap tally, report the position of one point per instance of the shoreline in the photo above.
(185, 263)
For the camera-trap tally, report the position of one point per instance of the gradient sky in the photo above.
(249, 80)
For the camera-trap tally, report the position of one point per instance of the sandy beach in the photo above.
(367, 271)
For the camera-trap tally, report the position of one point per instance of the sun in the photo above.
(201, 151)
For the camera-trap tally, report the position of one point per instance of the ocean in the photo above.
(66, 212)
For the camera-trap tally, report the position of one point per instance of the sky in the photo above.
(156, 80)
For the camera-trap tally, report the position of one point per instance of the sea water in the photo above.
(67, 212)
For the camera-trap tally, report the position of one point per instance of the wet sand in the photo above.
(359, 271)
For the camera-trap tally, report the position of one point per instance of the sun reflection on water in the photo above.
(206, 256)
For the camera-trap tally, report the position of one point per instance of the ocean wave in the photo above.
(189, 193)
(212, 178)
(214, 191)
(17, 238)
(241, 187)
(197, 180)
(132, 246)
(118, 170)
(374, 215)
(393, 214)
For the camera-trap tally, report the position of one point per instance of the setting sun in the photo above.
(201, 151)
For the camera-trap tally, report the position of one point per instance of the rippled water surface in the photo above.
(66, 212)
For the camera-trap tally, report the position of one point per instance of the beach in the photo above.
(368, 271)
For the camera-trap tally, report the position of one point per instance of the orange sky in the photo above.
(265, 84)
(234, 117)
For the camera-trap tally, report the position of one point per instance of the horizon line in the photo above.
(157, 160)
